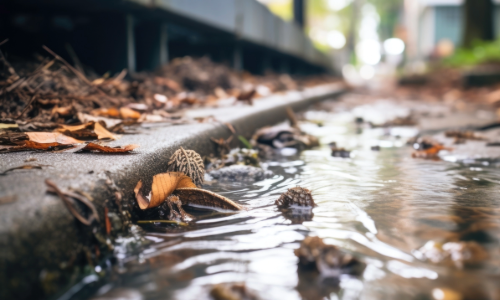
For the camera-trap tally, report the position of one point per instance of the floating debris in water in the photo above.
(463, 135)
(296, 197)
(237, 173)
(329, 260)
(459, 254)
(234, 291)
(339, 152)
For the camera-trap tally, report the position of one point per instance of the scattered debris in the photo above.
(282, 136)
(328, 260)
(459, 254)
(174, 214)
(232, 291)
(188, 162)
(296, 197)
(463, 135)
(430, 153)
(223, 145)
(339, 152)
(71, 205)
(399, 122)
(240, 173)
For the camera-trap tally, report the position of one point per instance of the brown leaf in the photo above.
(128, 113)
(90, 130)
(103, 133)
(163, 186)
(106, 112)
(205, 199)
(106, 149)
(29, 145)
(63, 111)
(188, 162)
(85, 118)
(52, 137)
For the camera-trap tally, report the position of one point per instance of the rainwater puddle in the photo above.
(382, 206)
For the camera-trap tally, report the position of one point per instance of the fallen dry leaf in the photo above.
(128, 113)
(63, 111)
(103, 133)
(205, 199)
(52, 137)
(106, 112)
(430, 153)
(90, 130)
(107, 149)
(163, 186)
(85, 118)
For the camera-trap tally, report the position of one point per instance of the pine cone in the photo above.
(188, 162)
(296, 196)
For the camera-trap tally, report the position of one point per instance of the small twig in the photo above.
(162, 221)
(292, 118)
(80, 75)
(29, 102)
(77, 73)
(69, 204)
(74, 57)
(4, 41)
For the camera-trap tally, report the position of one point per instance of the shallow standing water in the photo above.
(382, 206)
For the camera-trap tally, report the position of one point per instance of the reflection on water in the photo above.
(383, 206)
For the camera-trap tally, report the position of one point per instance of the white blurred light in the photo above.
(394, 46)
(368, 52)
(367, 72)
(336, 39)
(337, 5)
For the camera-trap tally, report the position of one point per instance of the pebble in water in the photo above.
(329, 260)
(235, 291)
(296, 197)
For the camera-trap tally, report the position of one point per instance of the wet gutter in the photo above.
(37, 233)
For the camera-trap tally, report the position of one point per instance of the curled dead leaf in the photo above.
(106, 149)
(205, 199)
(163, 186)
(175, 182)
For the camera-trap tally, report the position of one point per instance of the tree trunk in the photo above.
(478, 21)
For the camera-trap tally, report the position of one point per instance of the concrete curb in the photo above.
(37, 232)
